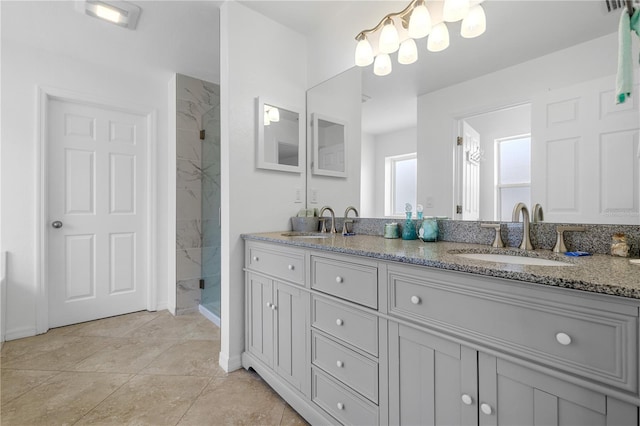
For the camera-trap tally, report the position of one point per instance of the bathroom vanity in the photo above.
(366, 330)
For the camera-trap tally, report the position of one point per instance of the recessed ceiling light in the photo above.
(117, 12)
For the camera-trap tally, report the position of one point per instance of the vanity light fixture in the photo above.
(117, 12)
(271, 114)
(398, 31)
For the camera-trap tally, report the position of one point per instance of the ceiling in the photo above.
(172, 36)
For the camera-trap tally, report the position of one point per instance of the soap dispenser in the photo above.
(409, 229)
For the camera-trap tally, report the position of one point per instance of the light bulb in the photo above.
(439, 38)
(364, 52)
(475, 23)
(274, 114)
(107, 13)
(420, 21)
(389, 41)
(266, 118)
(382, 65)
(408, 52)
(455, 10)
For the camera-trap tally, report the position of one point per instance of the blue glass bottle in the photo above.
(409, 229)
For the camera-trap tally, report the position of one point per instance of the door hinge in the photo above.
(459, 140)
(458, 209)
(201, 284)
(202, 132)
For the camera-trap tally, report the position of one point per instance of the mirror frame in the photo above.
(316, 155)
(261, 163)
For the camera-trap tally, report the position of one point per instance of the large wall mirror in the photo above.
(279, 137)
(554, 94)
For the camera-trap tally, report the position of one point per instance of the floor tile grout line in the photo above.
(35, 387)
(106, 397)
(195, 399)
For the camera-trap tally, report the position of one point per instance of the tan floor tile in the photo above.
(188, 358)
(291, 418)
(239, 398)
(125, 355)
(14, 383)
(58, 354)
(184, 327)
(63, 399)
(152, 400)
(117, 326)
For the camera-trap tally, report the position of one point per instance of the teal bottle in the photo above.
(428, 231)
(409, 229)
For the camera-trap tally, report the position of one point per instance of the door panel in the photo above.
(96, 168)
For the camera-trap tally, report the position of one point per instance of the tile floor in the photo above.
(145, 368)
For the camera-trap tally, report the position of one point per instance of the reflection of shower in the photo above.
(210, 136)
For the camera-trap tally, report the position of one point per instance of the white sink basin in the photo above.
(305, 235)
(518, 260)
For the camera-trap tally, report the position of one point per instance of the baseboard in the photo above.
(209, 315)
(20, 333)
(163, 306)
(230, 364)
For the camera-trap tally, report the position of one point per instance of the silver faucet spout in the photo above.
(345, 229)
(333, 219)
(526, 237)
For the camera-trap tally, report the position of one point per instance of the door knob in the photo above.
(57, 224)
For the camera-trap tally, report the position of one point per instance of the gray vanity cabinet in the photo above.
(277, 329)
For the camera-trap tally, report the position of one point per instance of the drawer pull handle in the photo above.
(256, 258)
(340, 406)
(563, 339)
(339, 279)
(340, 364)
(415, 300)
(273, 307)
(339, 322)
(291, 267)
(268, 305)
(466, 399)
(486, 409)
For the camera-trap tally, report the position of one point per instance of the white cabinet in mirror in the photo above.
(279, 138)
(329, 146)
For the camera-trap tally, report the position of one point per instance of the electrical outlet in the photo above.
(429, 203)
(314, 196)
(298, 195)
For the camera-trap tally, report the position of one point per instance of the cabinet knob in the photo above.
(268, 304)
(255, 258)
(486, 409)
(340, 364)
(340, 406)
(291, 267)
(339, 279)
(466, 399)
(339, 322)
(415, 300)
(563, 339)
(273, 307)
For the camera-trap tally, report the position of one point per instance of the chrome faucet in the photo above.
(323, 219)
(526, 238)
(538, 214)
(560, 247)
(345, 229)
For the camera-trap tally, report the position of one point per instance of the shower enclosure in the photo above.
(210, 294)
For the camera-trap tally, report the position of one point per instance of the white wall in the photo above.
(259, 57)
(23, 70)
(368, 176)
(439, 110)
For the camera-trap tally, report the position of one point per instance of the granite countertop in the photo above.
(598, 273)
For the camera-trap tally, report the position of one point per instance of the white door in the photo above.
(470, 172)
(588, 148)
(96, 192)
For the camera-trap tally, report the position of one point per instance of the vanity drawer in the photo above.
(342, 403)
(596, 344)
(346, 365)
(284, 264)
(353, 282)
(348, 324)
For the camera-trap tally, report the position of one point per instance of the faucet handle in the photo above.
(345, 229)
(323, 220)
(560, 247)
(497, 241)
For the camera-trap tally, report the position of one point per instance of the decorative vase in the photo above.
(428, 230)
(409, 229)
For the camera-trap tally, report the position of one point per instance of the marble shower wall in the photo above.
(195, 101)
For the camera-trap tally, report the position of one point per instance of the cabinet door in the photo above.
(291, 307)
(514, 395)
(429, 376)
(259, 299)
